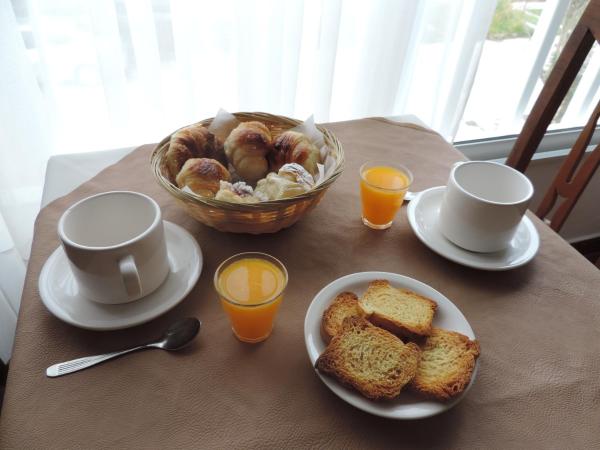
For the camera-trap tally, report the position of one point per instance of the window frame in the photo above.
(499, 147)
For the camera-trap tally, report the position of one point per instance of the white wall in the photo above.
(584, 221)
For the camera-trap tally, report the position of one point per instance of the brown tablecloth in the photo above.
(539, 326)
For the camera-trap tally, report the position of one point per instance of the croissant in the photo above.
(246, 147)
(294, 147)
(193, 141)
(202, 176)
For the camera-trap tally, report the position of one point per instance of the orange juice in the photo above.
(250, 288)
(382, 190)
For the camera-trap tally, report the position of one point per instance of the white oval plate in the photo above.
(423, 213)
(407, 405)
(60, 294)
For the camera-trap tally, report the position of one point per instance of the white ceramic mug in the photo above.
(115, 245)
(483, 205)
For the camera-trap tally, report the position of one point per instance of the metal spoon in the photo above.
(409, 196)
(178, 335)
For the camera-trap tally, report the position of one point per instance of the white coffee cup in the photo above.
(483, 205)
(115, 245)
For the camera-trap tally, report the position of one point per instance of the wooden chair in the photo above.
(572, 178)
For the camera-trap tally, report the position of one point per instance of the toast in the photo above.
(344, 305)
(447, 363)
(400, 311)
(369, 359)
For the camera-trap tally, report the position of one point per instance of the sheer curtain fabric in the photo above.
(80, 76)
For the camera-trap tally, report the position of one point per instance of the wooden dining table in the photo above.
(538, 383)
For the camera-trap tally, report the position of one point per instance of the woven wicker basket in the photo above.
(254, 218)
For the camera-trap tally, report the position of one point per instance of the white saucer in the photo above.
(423, 213)
(407, 405)
(59, 291)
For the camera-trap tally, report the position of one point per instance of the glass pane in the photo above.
(523, 43)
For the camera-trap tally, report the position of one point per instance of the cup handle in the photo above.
(130, 276)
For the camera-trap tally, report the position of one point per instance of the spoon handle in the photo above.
(410, 195)
(74, 365)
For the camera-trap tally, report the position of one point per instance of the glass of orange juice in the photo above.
(250, 287)
(382, 189)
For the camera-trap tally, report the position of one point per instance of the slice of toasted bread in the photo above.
(371, 360)
(344, 305)
(447, 363)
(400, 311)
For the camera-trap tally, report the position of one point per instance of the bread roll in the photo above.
(294, 147)
(401, 311)
(193, 141)
(345, 304)
(371, 360)
(447, 364)
(202, 176)
(246, 148)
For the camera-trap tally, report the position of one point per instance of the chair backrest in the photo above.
(572, 177)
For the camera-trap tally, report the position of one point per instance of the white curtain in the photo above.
(77, 76)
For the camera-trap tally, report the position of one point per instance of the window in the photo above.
(522, 45)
